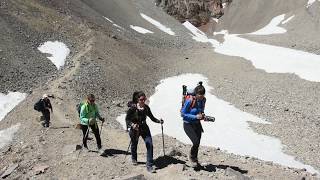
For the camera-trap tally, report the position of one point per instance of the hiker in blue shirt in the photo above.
(192, 112)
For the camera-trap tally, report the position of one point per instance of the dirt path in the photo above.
(117, 60)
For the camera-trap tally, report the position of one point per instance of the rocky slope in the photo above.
(259, 13)
(112, 64)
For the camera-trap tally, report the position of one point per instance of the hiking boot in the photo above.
(194, 164)
(85, 149)
(101, 151)
(193, 161)
(134, 162)
(150, 169)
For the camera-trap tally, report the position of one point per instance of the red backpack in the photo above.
(188, 95)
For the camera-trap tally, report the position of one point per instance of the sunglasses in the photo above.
(91, 100)
(142, 99)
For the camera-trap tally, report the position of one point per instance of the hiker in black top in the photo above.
(130, 104)
(136, 120)
(46, 110)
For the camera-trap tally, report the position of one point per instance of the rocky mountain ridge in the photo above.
(112, 62)
(198, 12)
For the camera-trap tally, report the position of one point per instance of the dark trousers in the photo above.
(95, 130)
(193, 131)
(46, 116)
(146, 135)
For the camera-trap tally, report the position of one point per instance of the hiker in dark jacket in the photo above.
(192, 112)
(132, 103)
(46, 110)
(136, 119)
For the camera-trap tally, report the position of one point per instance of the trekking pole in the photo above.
(82, 140)
(87, 133)
(101, 128)
(164, 154)
(135, 135)
(127, 152)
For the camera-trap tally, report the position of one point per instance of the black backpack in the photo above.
(39, 105)
(78, 107)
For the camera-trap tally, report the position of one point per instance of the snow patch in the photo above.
(216, 20)
(114, 24)
(272, 27)
(58, 50)
(287, 20)
(224, 5)
(230, 131)
(9, 101)
(222, 32)
(272, 59)
(199, 35)
(108, 19)
(140, 29)
(6, 135)
(310, 2)
(158, 24)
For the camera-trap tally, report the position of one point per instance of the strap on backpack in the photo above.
(193, 103)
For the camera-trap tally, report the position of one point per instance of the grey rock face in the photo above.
(198, 12)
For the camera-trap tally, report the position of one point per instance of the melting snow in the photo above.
(9, 101)
(230, 131)
(114, 24)
(158, 24)
(58, 50)
(140, 29)
(6, 135)
(199, 35)
(108, 19)
(272, 59)
(287, 20)
(224, 5)
(310, 2)
(272, 27)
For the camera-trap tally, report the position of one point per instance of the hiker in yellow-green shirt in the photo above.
(88, 114)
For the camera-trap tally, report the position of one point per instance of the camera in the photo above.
(210, 118)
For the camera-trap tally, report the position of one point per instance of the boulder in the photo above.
(9, 170)
(41, 168)
(174, 152)
(134, 177)
(231, 172)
